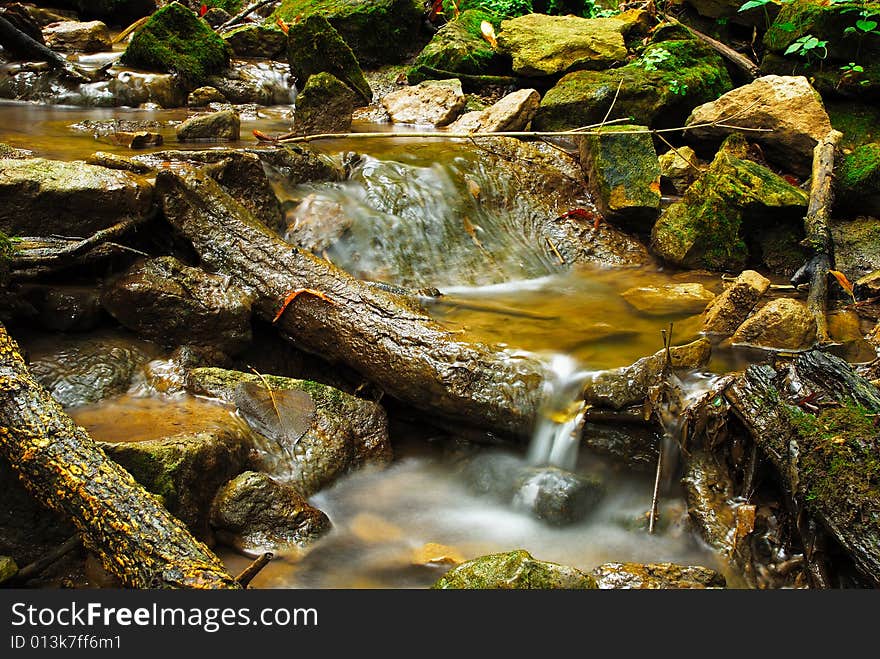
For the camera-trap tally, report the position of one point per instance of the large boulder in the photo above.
(175, 40)
(378, 31)
(514, 570)
(459, 48)
(218, 126)
(325, 105)
(784, 324)
(185, 470)
(73, 36)
(658, 90)
(623, 172)
(433, 102)
(258, 41)
(711, 225)
(344, 433)
(725, 313)
(166, 301)
(512, 112)
(541, 45)
(261, 514)
(656, 576)
(788, 108)
(313, 46)
(857, 181)
(40, 197)
(669, 298)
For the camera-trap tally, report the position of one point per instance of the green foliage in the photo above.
(514, 8)
(808, 46)
(231, 6)
(653, 59)
(678, 87)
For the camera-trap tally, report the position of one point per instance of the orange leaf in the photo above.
(280, 23)
(293, 295)
(845, 283)
(488, 33)
(262, 136)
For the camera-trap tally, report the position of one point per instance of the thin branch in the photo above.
(247, 575)
(43, 562)
(611, 107)
(243, 14)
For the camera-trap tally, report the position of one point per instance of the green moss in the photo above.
(861, 167)
(859, 122)
(514, 570)
(231, 6)
(175, 40)
(6, 251)
(829, 23)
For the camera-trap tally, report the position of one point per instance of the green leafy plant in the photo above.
(808, 47)
(850, 74)
(651, 60)
(754, 4)
(677, 87)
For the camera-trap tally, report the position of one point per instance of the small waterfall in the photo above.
(561, 417)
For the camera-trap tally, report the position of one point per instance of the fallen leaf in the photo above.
(294, 294)
(845, 283)
(280, 23)
(488, 33)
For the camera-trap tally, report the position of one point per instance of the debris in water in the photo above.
(282, 415)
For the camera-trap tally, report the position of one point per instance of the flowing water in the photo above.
(403, 526)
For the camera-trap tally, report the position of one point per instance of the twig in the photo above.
(611, 107)
(131, 28)
(38, 566)
(247, 575)
(655, 497)
(555, 251)
(679, 154)
(243, 14)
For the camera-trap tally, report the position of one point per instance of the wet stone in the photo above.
(199, 98)
(656, 576)
(8, 568)
(221, 126)
(556, 496)
(514, 570)
(687, 298)
(727, 311)
(65, 308)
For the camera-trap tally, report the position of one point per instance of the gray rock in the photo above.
(223, 126)
(163, 300)
(73, 36)
(432, 102)
(514, 570)
(557, 496)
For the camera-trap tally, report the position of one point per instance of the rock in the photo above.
(433, 102)
(658, 89)
(557, 496)
(379, 31)
(264, 515)
(784, 324)
(313, 46)
(681, 167)
(199, 98)
(216, 16)
(317, 223)
(8, 568)
(513, 112)
(185, 470)
(514, 570)
(165, 301)
(856, 246)
(868, 286)
(857, 182)
(175, 40)
(325, 105)
(65, 308)
(137, 140)
(656, 576)
(624, 175)
(459, 48)
(729, 10)
(787, 106)
(347, 433)
(86, 370)
(710, 501)
(40, 197)
(433, 554)
(255, 82)
(709, 226)
(618, 388)
(223, 125)
(257, 41)
(727, 311)
(632, 445)
(73, 36)
(11, 153)
(669, 299)
(136, 88)
(542, 45)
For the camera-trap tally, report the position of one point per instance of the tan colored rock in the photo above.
(73, 36)
(199, 98)
(513, 112)
(868, 286)
(788, 106)
(681, 166)
(650, 576)
(727, 311)
(784, 323)
(669, 299)
(223, 125)
(432, 102)
(874, 336)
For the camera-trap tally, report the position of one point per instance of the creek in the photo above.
(403, 526)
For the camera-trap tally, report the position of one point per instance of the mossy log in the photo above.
(135, 537)
(384, 336)
(826, 461)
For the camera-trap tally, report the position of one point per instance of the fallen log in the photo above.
(825, 461)
(20, 43)
(386, 337)
(135, 537)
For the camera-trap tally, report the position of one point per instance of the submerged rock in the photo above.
(317, 224)
(514, 570)
(347, 433)
(513, 112)
(787, 107)
(166, 301)
(175, 40)
(783, 324)
(433, 102)
(73, 36)
(224, 125)
(624, 174)
(65, 308)
(656, 576)
(185, 470)
(325, 105)
(729, 309)
(313, 46)
(669, 299)
(40, 197)
(264, 515)
(857, 181)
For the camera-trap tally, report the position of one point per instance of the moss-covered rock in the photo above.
(514, 570)
(459, 47)
(263, 41)
(185, 470)
(623, 172)
(175, 40)
(856, 246)
(658, 90)
(858, 180)
(314, 46)
(11, 153)
(378, 31)
(656, 576)
(708, 227)
(8, 568)
(325, 105)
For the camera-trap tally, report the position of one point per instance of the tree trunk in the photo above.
(384, 336)
(135, 537)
